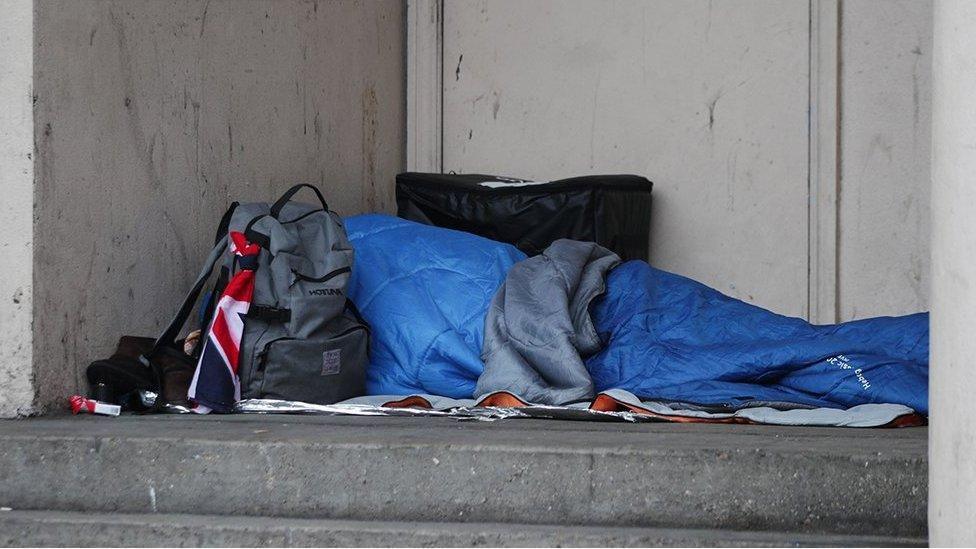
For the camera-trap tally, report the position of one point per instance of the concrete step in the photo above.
(724, 477)
(58, 528)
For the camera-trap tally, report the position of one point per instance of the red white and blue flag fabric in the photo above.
(216, 386)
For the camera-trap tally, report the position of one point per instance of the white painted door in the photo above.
(706, 99)
(772, 161)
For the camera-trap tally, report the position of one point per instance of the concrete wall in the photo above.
(152, 115)
(16, 206)
(952, 442)
(710, 100)
(883, 247)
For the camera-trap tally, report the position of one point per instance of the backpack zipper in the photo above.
(323, 278)
(353, 329)
(263, 355)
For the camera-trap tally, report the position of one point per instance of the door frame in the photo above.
(425, 88)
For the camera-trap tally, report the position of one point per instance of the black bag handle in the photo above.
(285, 198)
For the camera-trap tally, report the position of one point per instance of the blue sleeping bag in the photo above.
(671, 338)
(425, 292)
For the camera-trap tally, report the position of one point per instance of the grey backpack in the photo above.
(303, 340)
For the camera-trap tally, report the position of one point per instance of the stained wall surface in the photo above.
(153, 115)
(16, 206)
(886, 124)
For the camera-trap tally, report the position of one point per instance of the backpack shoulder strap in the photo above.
(169, 335)
(224, 224)
(220, 244)
(351, 307)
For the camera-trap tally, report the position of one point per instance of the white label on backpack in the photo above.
(331, 361)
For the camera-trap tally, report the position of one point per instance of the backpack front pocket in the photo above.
(320, 371)
(312, 297)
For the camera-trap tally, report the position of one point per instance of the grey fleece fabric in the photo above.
(538, 328)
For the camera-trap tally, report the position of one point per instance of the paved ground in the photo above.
(526, 433)
(60, 529)
(674, 479)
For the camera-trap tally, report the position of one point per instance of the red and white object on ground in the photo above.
(81, 404)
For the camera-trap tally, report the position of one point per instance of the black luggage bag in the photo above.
(611, 210)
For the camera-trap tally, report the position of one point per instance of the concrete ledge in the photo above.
(810, 480)
(54, 528)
